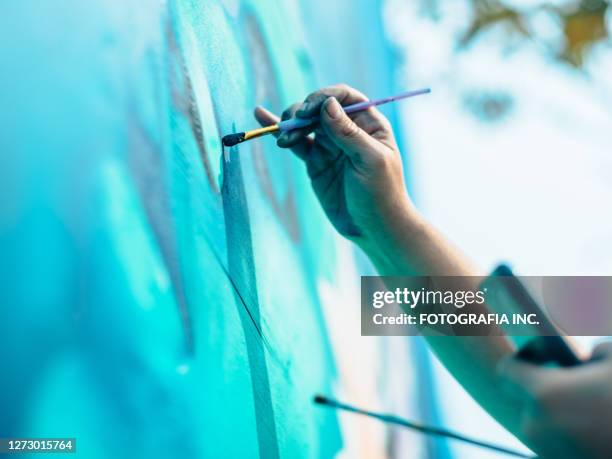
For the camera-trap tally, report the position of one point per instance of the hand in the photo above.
(566, 412)
(354, 164)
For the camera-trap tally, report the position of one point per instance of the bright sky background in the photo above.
(533, 189)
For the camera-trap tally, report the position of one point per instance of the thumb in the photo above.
(343, 131)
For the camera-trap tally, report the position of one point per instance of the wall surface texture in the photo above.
(162, 297)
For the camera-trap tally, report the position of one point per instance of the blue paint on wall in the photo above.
(161, 298)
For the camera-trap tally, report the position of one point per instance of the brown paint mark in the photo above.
(146, 164)
(266, 93)
(183, 98)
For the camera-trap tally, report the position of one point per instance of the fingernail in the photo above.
(333, 109)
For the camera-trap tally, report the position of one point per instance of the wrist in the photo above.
(385, 242)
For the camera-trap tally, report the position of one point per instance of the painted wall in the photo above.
(161, 297)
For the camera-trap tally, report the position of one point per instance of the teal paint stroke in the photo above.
(161, 297)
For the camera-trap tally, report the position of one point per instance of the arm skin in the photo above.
(565, 412)
(356, 172)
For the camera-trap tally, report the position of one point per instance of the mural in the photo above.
(163, 297)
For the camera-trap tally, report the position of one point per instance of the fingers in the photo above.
(326, 145)
(341, 92)
(360, 137)
(266, 118)
(370, 120)
(290, 138)
(324, 153)
(349, 137)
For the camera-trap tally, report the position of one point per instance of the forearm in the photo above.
(356, 172)
(406, 245)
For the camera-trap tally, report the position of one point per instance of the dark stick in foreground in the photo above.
(322, 400)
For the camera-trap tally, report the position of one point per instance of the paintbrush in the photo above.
(296, 123)
(423, 428)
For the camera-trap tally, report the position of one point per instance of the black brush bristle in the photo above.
(233, 139)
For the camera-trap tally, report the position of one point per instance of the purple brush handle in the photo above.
(296, 123)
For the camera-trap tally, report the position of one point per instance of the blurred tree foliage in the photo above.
(582, 24)
(566, 30)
